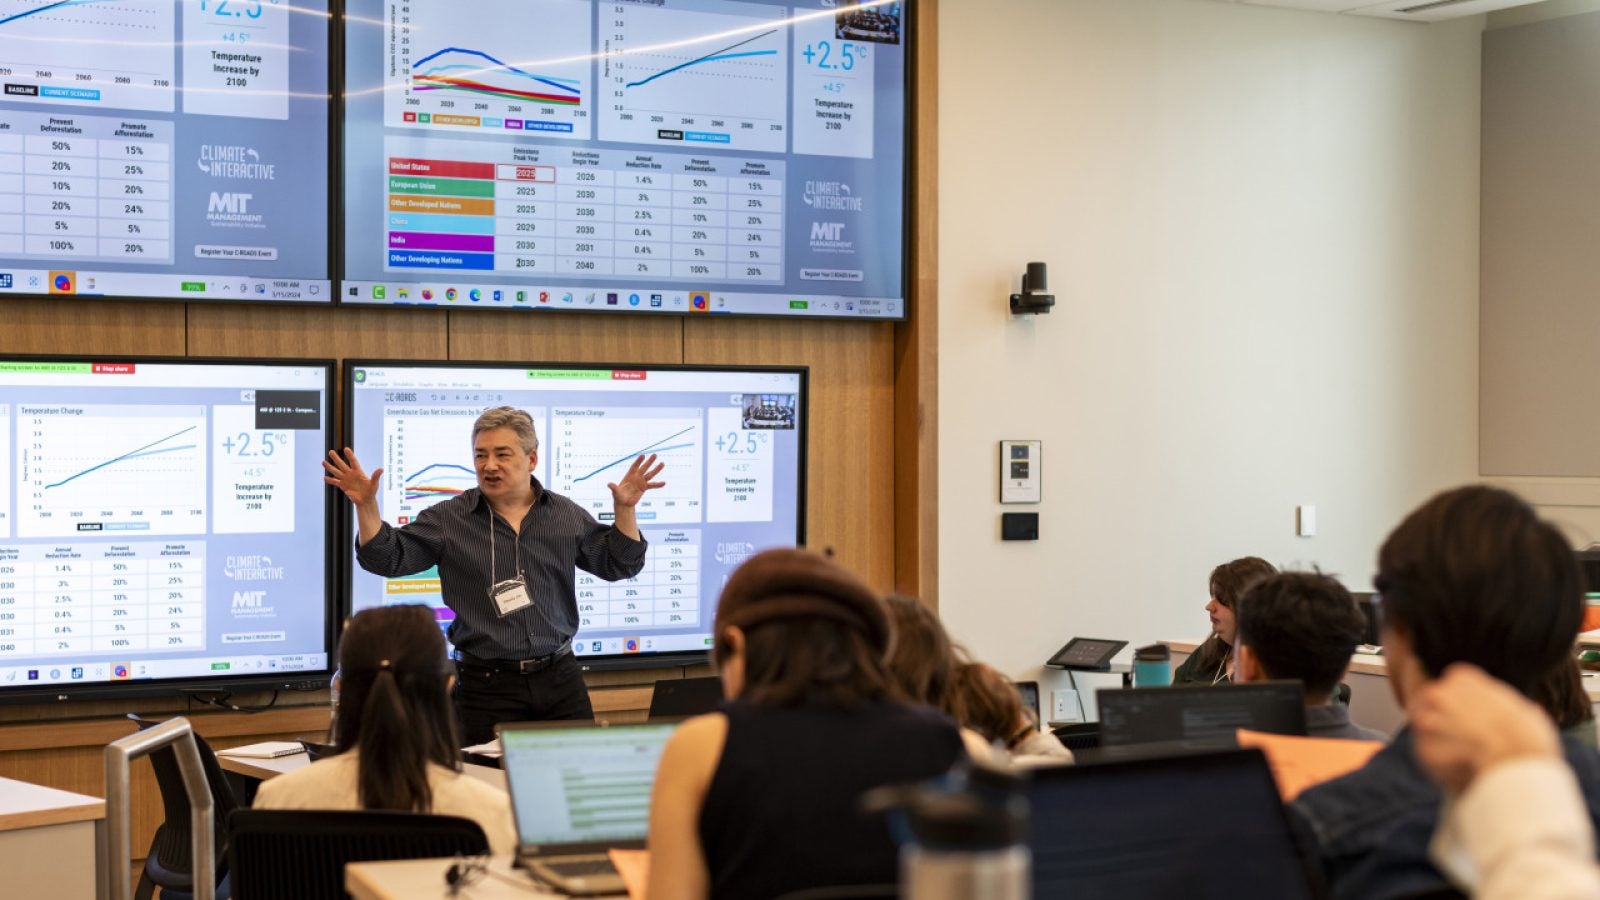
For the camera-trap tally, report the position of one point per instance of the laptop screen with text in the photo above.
(582, 785)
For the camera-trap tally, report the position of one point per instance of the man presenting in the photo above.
(506, 551)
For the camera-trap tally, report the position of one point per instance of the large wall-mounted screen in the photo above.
(163, 523)
(165, 149)
(733, 442)
(627, 156)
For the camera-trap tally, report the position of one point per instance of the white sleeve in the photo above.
(1521, 830)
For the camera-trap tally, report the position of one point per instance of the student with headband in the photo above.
(763, 798)
(396, 733)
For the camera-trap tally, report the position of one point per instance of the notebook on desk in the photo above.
(577, 792)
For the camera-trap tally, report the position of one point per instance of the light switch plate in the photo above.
(1020, 478)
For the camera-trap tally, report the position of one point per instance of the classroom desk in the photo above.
(423, 879)
(1372, 701)
(266, 769)
(50, 841)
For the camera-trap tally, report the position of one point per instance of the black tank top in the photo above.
(782, 812)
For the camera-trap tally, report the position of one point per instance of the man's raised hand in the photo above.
(346, 474)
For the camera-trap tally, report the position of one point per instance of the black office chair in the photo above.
(280, 854)
(168, 864)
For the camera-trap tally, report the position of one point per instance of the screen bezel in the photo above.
(337, 196)
(332, 213)
(306, 680)
(587, 663)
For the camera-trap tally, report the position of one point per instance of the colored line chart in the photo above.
(93, 53)
(112, 469)
(592, 448)
(513, 65)
(427, 457)
(707, 72)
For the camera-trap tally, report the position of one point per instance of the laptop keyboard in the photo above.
(578, 867)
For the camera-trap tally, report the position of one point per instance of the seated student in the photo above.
(984, 701)
(1212, 661)
(1514, 825)
(1302, 626)
(396, 732)
(762, 798)
(1471, 576)
(922, 662)
(921, 658)
(1562, 695)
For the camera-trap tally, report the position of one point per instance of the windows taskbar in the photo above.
(463, 295)
(90, 283)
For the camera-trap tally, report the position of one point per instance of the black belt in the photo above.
(519, 666)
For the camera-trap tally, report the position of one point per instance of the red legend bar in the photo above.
(440, 168)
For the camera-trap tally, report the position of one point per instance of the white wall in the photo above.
(1262, 232)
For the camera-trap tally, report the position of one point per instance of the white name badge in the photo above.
(510, 596)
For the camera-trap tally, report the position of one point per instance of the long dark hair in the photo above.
(1228, 582)
(814, 633)
(921, 657)
(395, 705)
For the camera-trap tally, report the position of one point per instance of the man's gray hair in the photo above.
(508, 417)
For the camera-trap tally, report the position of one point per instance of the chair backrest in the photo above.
(171, 846)
(292, 854)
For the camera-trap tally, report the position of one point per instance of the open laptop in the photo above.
(577, 792)
(1139, 722)
(1201, 826)
(683, 697)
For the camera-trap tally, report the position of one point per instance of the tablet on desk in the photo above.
(1086, 654)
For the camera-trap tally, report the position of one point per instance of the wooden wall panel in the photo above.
(916, 343)
(850, 478)
(317, 332)
(83, 326)
(568, 337)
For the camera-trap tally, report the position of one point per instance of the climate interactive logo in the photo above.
(63, 282)
(700, 301)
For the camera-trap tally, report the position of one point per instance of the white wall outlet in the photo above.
(1064, 706)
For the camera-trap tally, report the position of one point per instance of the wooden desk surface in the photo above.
(24, 805)
(1374, 664)
(265, 769)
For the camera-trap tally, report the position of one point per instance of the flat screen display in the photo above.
(165, 148)
(627, 156)
(162, 522)
(733, 442)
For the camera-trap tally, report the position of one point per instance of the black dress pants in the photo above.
(487, 696)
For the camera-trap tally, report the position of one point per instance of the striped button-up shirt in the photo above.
(556, 536)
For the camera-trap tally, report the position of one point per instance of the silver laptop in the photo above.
(577, 792)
